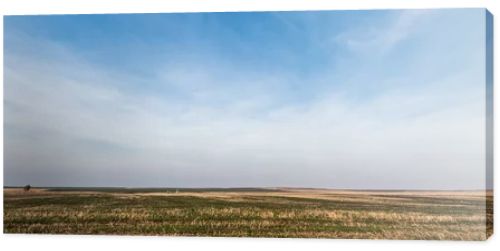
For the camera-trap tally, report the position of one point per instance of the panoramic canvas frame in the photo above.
(313, 124)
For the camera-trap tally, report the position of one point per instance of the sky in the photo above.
(387, 99)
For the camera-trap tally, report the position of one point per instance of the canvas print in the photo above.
(361, 124)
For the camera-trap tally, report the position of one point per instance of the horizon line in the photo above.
(256, 187)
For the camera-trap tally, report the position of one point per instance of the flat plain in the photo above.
(251, 212)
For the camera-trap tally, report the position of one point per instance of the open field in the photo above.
(314, 213)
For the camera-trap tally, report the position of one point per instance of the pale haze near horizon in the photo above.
(333, 99)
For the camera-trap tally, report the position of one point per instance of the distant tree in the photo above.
(27, 188)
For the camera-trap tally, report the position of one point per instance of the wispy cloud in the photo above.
(379, 39)
(205, 121)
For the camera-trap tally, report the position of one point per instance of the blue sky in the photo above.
(342, 99)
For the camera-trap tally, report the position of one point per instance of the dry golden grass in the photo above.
(315, 213)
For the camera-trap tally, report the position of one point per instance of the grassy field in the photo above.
(313, 213)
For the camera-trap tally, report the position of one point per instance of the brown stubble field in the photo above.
(251, 212)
